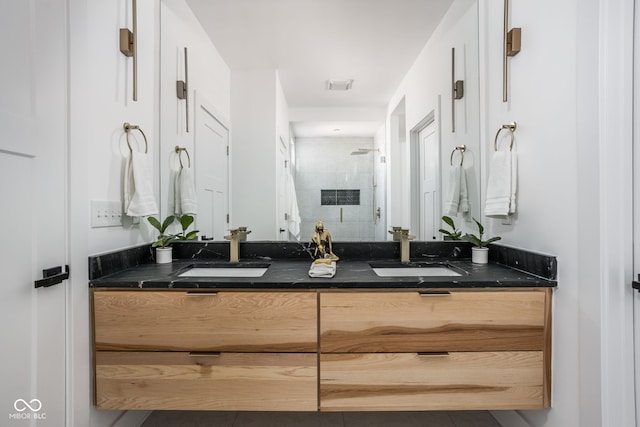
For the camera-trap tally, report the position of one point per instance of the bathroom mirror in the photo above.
(390, 169)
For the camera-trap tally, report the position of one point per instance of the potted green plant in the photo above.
(164, 251)
(454, 234)
(185, 221)
(480, 251)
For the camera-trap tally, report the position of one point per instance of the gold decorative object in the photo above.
(322, 239)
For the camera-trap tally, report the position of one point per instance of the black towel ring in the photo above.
(460, 148)
(127, 128)
(179, 151)
(512, 127)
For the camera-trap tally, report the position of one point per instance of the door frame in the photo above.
(202, 103)
(432, 118)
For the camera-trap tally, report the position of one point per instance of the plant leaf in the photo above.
(191, 235)
(156, 224)
(480, 227)
(449, 221)
(185, 221)
(167, 222)
(493, 239)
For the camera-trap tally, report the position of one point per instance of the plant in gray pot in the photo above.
(480, 251)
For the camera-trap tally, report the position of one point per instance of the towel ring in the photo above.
(512, 127)
(179, 151)
(127, 128)
(462, 149)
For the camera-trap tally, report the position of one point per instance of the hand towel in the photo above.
(457, 199)
(322, 268)
(502, 184)
(293, 218)
(186, 193)
(463, 200)
(172, 193)
(452, 198)
(138, 186)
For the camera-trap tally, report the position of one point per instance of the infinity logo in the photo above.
(21, 405)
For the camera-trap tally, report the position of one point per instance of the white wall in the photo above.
(109, 98)
(260, 117)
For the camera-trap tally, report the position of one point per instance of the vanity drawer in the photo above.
(368, 322)
(408, 381)
(224, 321)
(184, 381)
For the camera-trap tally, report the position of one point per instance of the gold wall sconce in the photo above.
(129, 46)
(182, 89)
(511, 46)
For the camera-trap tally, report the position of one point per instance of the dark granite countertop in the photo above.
(291, 272)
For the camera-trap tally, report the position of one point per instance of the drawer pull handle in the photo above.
(433, 355)
(201, 294)
(204, 354)
(435, 294)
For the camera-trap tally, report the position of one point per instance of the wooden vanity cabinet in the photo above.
(435, 350)
(333, 350)
(205, 351)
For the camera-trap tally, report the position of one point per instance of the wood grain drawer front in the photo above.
(402, 382)
(230, 381)
(227, 321)
(369, 322)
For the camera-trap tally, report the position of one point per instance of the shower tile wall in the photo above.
(327, 164)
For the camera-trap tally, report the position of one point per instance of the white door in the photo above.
(33, 149)
(429, 170)
(211, 160)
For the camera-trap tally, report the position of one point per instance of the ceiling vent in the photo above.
(333, 84)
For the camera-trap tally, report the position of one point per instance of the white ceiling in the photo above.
(374, 42)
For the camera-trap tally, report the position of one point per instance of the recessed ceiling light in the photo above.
(334, 84)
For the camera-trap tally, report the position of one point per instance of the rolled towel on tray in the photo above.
(322, 268)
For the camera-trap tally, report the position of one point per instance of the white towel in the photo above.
(322, 268)
(188, 197)
(138, 186)
(502, 184)
(171, 196)
(457, 199)
(293, 218)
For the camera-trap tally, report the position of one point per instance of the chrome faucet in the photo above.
(237, 235)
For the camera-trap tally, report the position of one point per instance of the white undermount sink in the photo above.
(224, 272)
(415, 271)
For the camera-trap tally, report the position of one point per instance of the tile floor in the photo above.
(315, 419)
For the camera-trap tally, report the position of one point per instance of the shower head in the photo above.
(364, 151)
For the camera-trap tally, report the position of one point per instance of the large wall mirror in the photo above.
(360, 166)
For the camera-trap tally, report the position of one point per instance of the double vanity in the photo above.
(439, 333)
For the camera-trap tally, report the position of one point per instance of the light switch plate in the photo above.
(106, 213)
